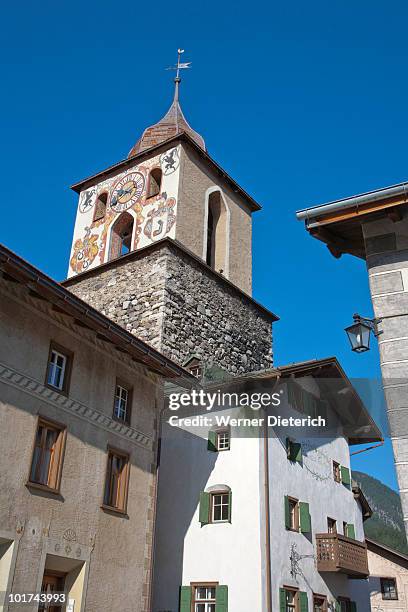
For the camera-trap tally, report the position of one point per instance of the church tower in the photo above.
(163, 246)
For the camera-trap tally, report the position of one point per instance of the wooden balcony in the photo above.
(336, 553)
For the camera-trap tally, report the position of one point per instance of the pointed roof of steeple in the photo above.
(170, 125)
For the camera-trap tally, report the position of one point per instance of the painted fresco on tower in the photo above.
(151, 202)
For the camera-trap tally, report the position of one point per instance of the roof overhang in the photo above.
(181, 137)
(18, 270)
(339, 223)
(357, 424)
(388, 553)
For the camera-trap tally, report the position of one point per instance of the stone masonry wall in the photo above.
(178, 305)
(205, 317)
(387, 262)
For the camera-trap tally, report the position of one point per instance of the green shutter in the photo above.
(345, 476)
(282, 600)
(204, 508)
(221, 598)
(337, 606)
(212, 441)
(185, 599)
(303, 603)
(305, 520)
(229, 505)
(287, 513)
(294, 450)
(351, 532)
(353, 606)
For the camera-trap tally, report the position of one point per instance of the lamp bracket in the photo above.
(371, 323)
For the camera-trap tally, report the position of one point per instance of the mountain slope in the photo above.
(386, 525)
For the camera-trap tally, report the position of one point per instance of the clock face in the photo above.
(127, 191)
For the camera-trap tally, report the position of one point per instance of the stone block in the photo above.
(386, 283)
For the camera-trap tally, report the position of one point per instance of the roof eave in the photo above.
(370, 197)
(63, 299)
(78, 187)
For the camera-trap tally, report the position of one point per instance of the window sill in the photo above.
(42, 487)
(112, 510)
(56, 390)
(293, 530)
(121, 421)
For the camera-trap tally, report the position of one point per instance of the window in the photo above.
(319, 603)
(59, 368)
(291, 600)
(297, 515)
(204, 598)
(219, 440)
(389, 588)
(331, 525)
(117, 478)
(293, 450)
(215, 505)
(345, 605)
(196, 370)
(121, 236)
(336, 471)
(100, 206)
(46, 463)
(155, 179)
(223, 440)
(220, 506)
(122, 403)
(293, 514)
(345, 530)
(52, 582)
(216, 247)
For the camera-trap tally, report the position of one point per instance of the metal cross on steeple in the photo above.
(177, 67)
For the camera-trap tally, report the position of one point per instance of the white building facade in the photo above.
(255, 519)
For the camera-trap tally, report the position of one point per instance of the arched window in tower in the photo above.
(155, 179)
(121, 236)
(100, 206)
(216, 233)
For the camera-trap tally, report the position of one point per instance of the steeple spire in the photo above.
(173, 122)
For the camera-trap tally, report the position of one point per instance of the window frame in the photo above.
(206, 585)
(334, 524)
(154, 195)
(61, 428)
(112, 451)
(212, 506)
(383, 593)
(296, 514)
(123, 385)
(68, 356)
(220, 433)
(105, 204)
(295, 591)
(336, 472)
(321, 597)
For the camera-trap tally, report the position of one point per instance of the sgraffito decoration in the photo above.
(87, 200)
(160, 220)
(85, 251)
(154, 217)
(169, 161)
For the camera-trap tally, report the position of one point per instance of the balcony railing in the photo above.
(337, 553)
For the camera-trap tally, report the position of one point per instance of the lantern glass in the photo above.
(359, 336)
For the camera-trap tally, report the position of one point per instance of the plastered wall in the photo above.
(114, 551)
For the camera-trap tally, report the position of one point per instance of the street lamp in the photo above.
(359, 333)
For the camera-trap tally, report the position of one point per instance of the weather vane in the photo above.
(177, 67)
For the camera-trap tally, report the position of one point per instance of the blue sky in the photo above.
(300, 102)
